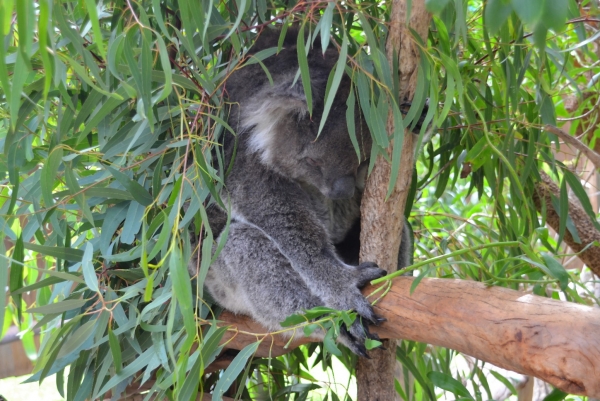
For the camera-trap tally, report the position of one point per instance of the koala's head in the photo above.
(277, 126)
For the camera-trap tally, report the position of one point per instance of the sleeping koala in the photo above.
(293, 240)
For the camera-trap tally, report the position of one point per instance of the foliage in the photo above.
(110, 110)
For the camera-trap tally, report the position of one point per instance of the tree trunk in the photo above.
(555, 341)
(381, 220)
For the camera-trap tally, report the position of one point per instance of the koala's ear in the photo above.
(263, 111)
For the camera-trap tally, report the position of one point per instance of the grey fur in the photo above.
(295, 200)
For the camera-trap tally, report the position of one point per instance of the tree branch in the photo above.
(576, 143)
(553, 340)
(585, 228)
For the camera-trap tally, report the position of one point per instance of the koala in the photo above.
(293, 240)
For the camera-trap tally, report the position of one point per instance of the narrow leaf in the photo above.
(448, 383)
(115, 350)
(59, 307)
(80, 335)
(234, 369)
(16, 273)
(87, 265)
(558, 271)
(304, 71)
(137, 191)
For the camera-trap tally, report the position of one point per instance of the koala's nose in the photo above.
(343, 188)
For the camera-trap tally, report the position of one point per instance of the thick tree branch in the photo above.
(585, 228)
(555, 341)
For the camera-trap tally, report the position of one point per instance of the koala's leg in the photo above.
(252, 277)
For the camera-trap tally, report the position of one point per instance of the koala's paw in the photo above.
(367, 272)
(354, 337)
(352, 299)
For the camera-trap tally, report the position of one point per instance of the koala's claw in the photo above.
(367, 272)
(354, 339)
(372, 336)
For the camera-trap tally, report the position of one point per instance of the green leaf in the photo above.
(87, 266)
(496, 14)
(557, 270)
(93, 14)
(6, 13)
(325, 25)
(418, 279)
(134, 367)
(370, 344)
(70, 254)
(448, 383)
(233, 370)
(166, 67)
(108, 193)
(209, 347)
(304, 71)
(77, 339)
(3, 282)
(333, 85)
(563, 212)
(189, 389)
(75, 190)
(83, 74)
(436, 6)
(18, 80)
(294, 320)
(115, 350)
(40, 284)
(329, 343)
(138, 192)
(58, 307)
(504, 381)
(62, 275)
(409, 364)
(350, 122)
(49, 175)
(310, 329)
(555, 14)
(182, 290)
(318, 311)
(556, 395)
(241, 6)
(529, 11)
(16, 273)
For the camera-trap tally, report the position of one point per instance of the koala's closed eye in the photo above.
(312, 162)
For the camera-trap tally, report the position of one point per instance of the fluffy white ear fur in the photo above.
(260, 120)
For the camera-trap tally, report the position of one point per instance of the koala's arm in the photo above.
(280, 209)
